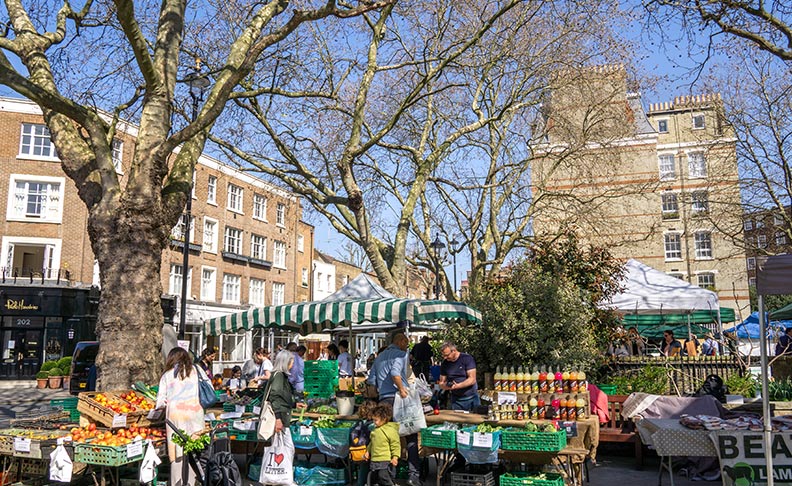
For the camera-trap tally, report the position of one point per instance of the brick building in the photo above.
(764, 235)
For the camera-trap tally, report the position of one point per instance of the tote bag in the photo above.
(206, 392)
(266, 427)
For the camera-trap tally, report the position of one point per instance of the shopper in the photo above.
(297, 376)
(458, 376)
(421, 355)
(691, 345)
(384, 448)
(281, 392)
(178, 394)
(207, 358)
(345, 369)
(709, 347)
(236, 382)
(784, 346)
(256, 371)
(670, 346)
(636, 343)
(332, 352)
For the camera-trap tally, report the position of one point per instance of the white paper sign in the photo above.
(256, 410)
(210, 417)
(507, 397)
(134, 449)
(184, 345)
(305, 430)
(239, 408)
(244, 425)
(482, 440)
(21, 444)
(156, 414)
(119, 421)
(230, 415)
(463, 437)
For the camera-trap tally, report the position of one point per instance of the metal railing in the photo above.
(43, 275)
(685, 374)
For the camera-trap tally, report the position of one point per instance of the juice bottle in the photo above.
(573, 383)
(565, 380)
(562, 408)
(533, 408)
(541, 408)
(582, 385)
(519, 411)
(512, 379)
(580, 405)
(555, 406)
(559, 382)
(571, 408)
(520, 380)
(542, 381)
(498, 377)
(535, 381)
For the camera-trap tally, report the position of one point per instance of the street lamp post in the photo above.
(437, 245)
(198, 85)
(452, 247)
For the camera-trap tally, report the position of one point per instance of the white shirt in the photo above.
(345, 364)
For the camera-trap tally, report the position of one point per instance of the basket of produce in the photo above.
(32, 444)
(303, 436)
(246, 402)
(544, 438)
(108, 455)
(531, 479)
(332, 437)
(479, 445)
(103, 407)
(7, 440)
(470, 479)
(440, 436)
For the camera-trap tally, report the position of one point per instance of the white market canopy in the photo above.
(361, 287)
(650, 291)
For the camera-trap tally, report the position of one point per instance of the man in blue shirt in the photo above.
(458, 376)
(345, 368)
(297, 373)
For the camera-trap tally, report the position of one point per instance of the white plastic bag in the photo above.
(60, 465)
(276, 465)
(408, 412)
(148, 468)
(424, 390)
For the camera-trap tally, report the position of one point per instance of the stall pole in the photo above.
(765, 394)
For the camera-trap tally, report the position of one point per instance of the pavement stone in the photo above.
(22, 396)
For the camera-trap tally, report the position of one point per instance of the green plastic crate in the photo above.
(324, 390)
(607, 389)
(531, 479)
(438, 438)
(230, 407)
(104, 455)
(325, 364)
(65, 403)
(523, 440)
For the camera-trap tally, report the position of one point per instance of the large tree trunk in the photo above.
(130, 321)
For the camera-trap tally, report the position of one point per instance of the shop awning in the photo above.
(696, 317)
(782, 314)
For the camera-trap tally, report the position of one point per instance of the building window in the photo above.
(697, 165)
(780, 239)
(208, 284)
(330, 286)
(700, 202)
(211, 190)
(759, 224)
(706, 280)
(670, 205)
(673, 246)
(761, 241)
(778, 220)
(662, 126)
(194, 182)
(667, 167)
(751, 263)
(698, 122)
(177, 233)
(300, 243)
(703, 244)
(748, 225)
(118, 155)
(278, 293)
(259, 207)
(35, 199)
(175, 280)
(345, 280)
(752, 281)
(231, 284)
(319, 280)
(258, 247)
(210, 235)
(677, 275)
(235, 194)
(256, 292)
(233, 240)
(304, 280)
(36, 141)
(279, 255)
(280, 216)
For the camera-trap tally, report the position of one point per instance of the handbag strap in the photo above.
(269, 386)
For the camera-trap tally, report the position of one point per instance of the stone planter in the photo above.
(55, 381)
(41, 382)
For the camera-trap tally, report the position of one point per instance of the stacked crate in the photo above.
(321, 378)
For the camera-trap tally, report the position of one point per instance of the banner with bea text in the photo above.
(742, 457)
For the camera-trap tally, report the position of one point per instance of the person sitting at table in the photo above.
(635, 343)
(670, 346)
(236, 382)
(256, 371)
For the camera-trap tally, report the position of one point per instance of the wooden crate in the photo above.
(89, 407)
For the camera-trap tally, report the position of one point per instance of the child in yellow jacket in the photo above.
(384, 449)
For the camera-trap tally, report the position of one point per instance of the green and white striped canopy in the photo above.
(310, 317)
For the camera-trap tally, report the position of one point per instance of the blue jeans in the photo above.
(468, 402)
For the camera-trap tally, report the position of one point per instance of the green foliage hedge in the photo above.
(48, 365)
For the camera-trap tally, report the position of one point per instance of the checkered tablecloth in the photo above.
(670, 438)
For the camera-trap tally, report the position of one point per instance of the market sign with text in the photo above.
(742, 457)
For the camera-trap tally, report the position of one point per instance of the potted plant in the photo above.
(65, 366)
(41, 379)
(55, 375)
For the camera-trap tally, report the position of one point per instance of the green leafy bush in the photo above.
(780, 390)
(55, 372)
(48, 365)
(65, 363)
(651, 379)
(42, 375)
(742, 385)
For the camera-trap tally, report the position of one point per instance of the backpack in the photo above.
(222, 470)
(713, 385)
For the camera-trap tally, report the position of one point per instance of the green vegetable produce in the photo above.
(549, 428)
(191, 445)
(531, 427)
(487, 429)
(325, 423)
(324, 410)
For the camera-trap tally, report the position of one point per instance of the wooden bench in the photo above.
(619, 430)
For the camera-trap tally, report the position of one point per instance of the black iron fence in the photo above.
(32, 275)
(685, 374)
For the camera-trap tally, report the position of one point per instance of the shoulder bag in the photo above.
(206, 392)
(267, 418)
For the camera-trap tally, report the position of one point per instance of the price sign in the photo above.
(305, 430)
(156, 414)
(463, 437)
(230, 415)
(507, 397)
(256, 410)
(482, 440)
(210, 417)
(119, 421)
(21, 444)
(571, 428)
(239, 408)
(134, 449)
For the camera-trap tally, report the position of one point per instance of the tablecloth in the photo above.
(670, 438)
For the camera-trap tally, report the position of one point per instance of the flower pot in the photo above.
(55, 382)
(41, 382)
(66, 380)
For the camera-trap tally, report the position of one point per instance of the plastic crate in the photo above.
(607, 389)
(531, 479)
(325, 364)
(324, 390)
(523, 440)
(333, 442)
(65, 403)
(230, 407)
(301, 440)
(104, 455)
(469, 479)
(438, 438)
(475, 454)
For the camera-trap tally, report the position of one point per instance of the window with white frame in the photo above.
(194, 183)
(330, 286)
(280, 215)
(300, 243)
(700, 202)
(211, 190)
(761, 241)
(345, 280)
(702, 241)
(677, 275)
(752, 281)
(278, 293)
(231, 286)
(258, 247)
(778, 220)
(175, 280)
(751, 263)
(759, 223)
(699, 122)
(118, 155)
(673, 246)
(256, 292)
(36, 141)
(259, 207)
(35, 199)
(210, 235)
(235, 195)
(233, 240)
(208, 283)
(177, 233)
(662, 126)
(279, 254)
(667, 167)
(670, 205)
(319, 280)
(697, 165)
(748, 225)
(780, 239)
(304, 280)
(706, 280)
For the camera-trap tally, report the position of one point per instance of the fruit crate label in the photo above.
(482, 440)
(244, 425)
(256, 410)
(571, 428)
(463, 437)
(134, 449)
(119, 421)
(507, 397)
(305, 430)
(21, 444)
(239, 408)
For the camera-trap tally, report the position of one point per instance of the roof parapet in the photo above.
(687, 102)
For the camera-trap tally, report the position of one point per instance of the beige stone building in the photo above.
(658, 185)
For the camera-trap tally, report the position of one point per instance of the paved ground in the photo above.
(22, 397)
